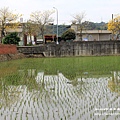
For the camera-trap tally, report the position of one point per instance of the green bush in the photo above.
(11, 38)
(68, 35)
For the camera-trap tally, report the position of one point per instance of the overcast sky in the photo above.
(96, 10)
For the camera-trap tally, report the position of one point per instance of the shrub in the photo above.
(68, 35)
(11, 38)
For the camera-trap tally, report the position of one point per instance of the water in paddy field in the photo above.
(81, 88)
(34, 95)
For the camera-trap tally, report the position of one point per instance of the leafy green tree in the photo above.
(68, 35)
(11, 38)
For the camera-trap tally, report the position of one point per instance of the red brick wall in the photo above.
(8, 49)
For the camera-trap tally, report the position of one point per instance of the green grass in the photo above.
(69, 66)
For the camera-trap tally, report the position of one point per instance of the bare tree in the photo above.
(41, 19)
(6, 17)
(79, 19)
(29, 28)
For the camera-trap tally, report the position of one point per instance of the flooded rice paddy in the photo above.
(34, 89)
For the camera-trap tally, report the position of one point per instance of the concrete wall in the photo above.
(81, 48)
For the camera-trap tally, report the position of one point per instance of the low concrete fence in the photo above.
(81, 48)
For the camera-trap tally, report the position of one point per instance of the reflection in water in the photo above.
(114, 83)
(54, 97)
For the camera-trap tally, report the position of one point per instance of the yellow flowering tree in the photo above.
(114, 26)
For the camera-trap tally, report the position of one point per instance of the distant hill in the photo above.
(97, 26)
(52, 29)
